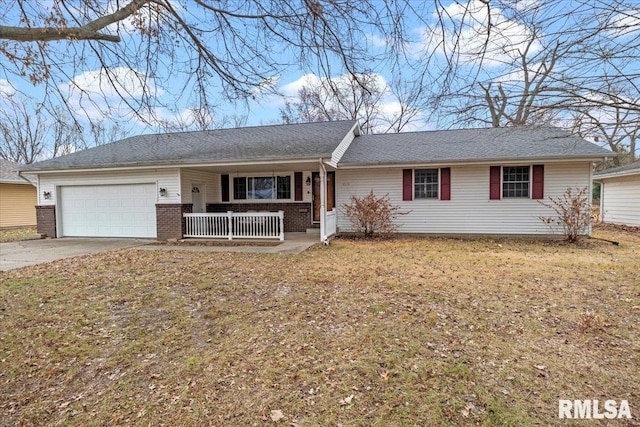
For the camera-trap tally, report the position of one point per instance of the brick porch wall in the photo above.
(297, 216)
(170, 223)
(46, 220)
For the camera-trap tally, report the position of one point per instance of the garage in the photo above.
(126, 210)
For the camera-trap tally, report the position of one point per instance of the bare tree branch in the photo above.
(89, 31)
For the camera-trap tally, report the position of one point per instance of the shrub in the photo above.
(572, 212)
(370, 214)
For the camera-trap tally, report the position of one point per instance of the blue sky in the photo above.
(102, 102)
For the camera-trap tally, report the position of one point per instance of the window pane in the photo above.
(426, 184)
(260, 188)
(240, 188)
(515, 181)
(284, 187)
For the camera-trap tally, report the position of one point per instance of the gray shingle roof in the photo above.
(464, 145)
(630, 168)
(314, 140)
(277, 142)
(9, 173)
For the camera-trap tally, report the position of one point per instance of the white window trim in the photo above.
(413, 184)
(530, 189)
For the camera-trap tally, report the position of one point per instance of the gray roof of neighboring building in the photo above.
(275, 142)
(9, 173)
(628, 169)
(465, 145)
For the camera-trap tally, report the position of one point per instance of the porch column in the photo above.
(323, 203)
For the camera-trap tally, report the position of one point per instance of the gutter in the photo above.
(25, 179)
(616, 174)
(449, 162)
(167, 165)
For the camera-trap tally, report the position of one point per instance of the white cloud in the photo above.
(266, 86)
(307, 80)
(626, 23)
(525, 5)
(377, 41)
(6, 88)
(119, 82)
(484, 35)
(98, 94)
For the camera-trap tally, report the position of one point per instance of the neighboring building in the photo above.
(18, 197)
(620, 194)
(228, 181)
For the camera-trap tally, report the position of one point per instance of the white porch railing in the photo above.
(330, 227)
(235, 225)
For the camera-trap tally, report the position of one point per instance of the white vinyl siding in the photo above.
(164, 178)
(469, 210)
(307, 197)
(621, 200)
(210, 181)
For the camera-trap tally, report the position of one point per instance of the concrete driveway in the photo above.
(31, 252)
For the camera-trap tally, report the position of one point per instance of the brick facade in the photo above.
(46, 220)
(297, 216)
(170, 223)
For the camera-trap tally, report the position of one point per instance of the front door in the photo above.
(197, 198)
(331, 193)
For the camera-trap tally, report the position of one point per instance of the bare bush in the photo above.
(589, 321)
(572, 212)
(372, 215)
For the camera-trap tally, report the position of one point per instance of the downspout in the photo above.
(20, 175)
(590, 198)
(604, 160)
(601, 201)
(323, 206)
(31, 183)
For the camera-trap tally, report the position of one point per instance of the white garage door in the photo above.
(108, 210)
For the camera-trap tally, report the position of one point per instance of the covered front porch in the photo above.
(257, 201)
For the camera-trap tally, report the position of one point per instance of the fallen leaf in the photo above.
(276, 415)
(346, 401)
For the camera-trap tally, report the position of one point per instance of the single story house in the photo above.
(266, 180)
(620, 194)
(18, 197)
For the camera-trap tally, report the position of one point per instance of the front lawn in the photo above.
(425, 332)
(18, 233)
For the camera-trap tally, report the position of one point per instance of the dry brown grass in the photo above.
(392, 332)
(17, 234)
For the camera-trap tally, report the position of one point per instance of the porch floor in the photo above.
(294, 243)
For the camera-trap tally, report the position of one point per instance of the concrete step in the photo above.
(314, 231)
